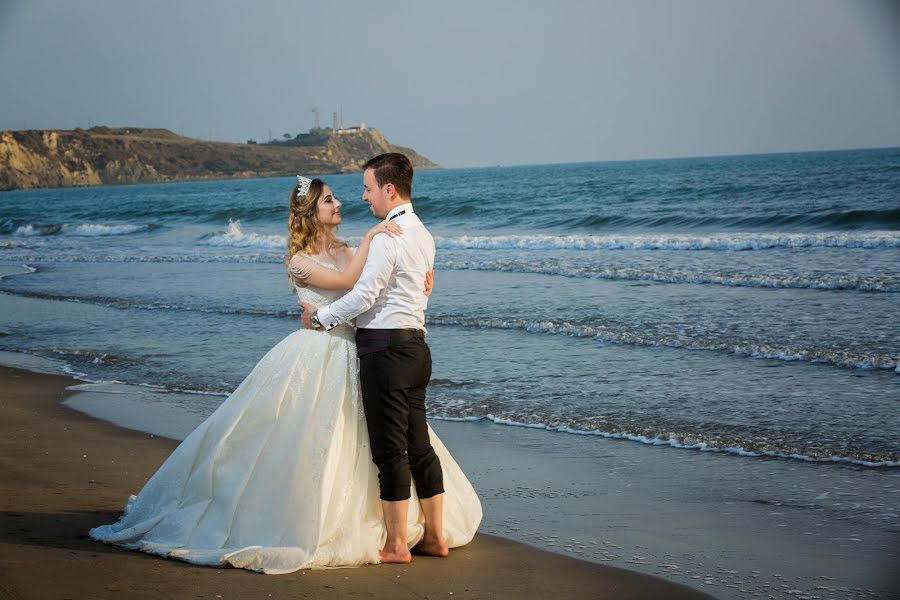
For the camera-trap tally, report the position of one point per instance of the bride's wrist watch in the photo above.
(314, 319)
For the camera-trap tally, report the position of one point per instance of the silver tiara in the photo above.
(303, 185)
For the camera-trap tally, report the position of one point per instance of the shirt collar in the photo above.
(401, 209)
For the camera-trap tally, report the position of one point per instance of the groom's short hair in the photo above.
(395, 168)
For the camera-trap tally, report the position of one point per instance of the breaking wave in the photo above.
(687, 441)
(620, 335)
(762, 280)
(719, 241)
(604, 333)
(235, 237)
(79, 230)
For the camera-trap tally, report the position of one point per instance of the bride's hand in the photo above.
(388, 227)
(429, 282)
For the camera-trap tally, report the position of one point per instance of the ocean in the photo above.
(747, 305)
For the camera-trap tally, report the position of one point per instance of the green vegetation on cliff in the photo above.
(105, 155)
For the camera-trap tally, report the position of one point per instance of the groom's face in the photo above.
(374, 195)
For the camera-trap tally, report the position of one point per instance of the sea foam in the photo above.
(235, 237)
(603, 333)
(80, 230)
(99, 230)
(670, 442)
(622, 335)
(729, 241)
(761, 280)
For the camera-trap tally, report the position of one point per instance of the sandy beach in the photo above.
(663, 335)
(64, 472)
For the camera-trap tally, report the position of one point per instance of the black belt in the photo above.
(374, 340)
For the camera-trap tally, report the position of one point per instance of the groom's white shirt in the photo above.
(390, 293)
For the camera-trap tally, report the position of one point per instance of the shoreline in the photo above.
(713, 522)
(64, 472)
(672, 442)
(719, 314)
(27, 361)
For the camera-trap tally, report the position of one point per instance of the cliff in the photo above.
(105, 155)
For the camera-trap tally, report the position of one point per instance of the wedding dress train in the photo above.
(280, 477)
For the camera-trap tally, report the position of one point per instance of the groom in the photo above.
(394, 360)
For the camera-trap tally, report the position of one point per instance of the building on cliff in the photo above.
(127, 155)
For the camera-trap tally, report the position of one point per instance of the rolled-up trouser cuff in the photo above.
(427, 473)
(396, 474)
(394, 479)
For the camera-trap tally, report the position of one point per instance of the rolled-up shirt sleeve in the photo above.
(374, 278)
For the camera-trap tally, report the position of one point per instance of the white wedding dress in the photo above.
(280, 477)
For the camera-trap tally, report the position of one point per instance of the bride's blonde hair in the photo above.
(305, 233)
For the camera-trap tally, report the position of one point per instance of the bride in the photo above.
(280, 477)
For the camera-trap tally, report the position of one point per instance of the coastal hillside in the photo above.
(106, 155)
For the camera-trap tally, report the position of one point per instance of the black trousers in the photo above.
(394, 370)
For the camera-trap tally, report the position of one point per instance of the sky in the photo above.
(468, 83)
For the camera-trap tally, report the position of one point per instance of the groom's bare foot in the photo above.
(431, 547)
(399, 555)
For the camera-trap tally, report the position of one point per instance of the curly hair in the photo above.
(304, 233)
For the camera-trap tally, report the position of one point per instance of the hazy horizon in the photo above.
(576, 82)
(527, 164)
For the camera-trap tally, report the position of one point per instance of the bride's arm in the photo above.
(355, 268)
(304, 271)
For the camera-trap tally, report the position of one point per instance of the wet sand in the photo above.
(62, 472)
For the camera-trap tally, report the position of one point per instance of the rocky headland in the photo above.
(127, 155)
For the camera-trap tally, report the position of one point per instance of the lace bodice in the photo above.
(319, 297)
(316, 296)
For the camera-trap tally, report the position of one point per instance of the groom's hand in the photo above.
(308, 310)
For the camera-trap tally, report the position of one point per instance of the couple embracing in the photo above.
(322, 456)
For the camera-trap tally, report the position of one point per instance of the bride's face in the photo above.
(329, 209)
